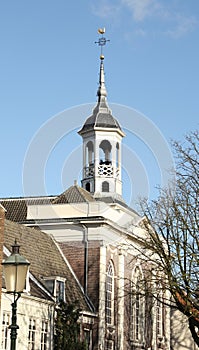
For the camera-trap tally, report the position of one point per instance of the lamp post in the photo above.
(15, 269)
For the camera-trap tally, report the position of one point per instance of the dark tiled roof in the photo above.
(45, 258)
(16, 208)
(74, 194)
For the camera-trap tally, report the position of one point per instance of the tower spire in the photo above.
(101, 92)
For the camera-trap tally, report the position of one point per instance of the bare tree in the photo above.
(172, 225)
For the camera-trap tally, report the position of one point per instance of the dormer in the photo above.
(56, 286)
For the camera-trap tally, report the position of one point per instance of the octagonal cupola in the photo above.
(102, 136)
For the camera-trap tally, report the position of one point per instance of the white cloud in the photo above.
(166, 19)
(182, 26)
(140, 32)
(142, 9)
(106, 8)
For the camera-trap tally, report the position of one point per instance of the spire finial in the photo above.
(102, 41)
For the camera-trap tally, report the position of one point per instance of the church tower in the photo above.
(102, 136)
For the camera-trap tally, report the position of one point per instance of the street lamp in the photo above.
(15, 269)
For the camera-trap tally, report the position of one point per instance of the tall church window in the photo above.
(159, 310)
(137, 306)
(105, 186)
(109, 308)
(105, 152)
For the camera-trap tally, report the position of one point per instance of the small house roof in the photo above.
(46, 259)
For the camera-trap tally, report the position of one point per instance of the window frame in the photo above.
(44, 335)
(105, 186)
(55, 280)
(32, 333)
(109, 294)
(137, 309)
(5, 332)
(159, 310)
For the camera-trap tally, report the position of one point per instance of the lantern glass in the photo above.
(15, 277)
(15, 269)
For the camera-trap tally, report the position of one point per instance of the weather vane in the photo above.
(102, 41)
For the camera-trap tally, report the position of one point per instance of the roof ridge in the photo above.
(26, 198)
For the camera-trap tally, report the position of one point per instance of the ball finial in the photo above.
(101, 30)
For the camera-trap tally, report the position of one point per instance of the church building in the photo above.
(97, 233)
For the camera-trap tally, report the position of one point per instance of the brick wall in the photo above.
(74, 252)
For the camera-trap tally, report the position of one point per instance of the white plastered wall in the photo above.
(28, 307)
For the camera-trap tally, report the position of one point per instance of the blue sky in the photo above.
(49, 63)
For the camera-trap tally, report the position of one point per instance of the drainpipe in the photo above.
(85, 239)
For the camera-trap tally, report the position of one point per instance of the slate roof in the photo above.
(45, 259)
(101, 117)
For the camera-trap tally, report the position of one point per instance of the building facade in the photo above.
(97, 237)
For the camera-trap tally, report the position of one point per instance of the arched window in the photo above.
(89, 153)
(105, 186)
(105, 152)
(109, 308)
(137, 306)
